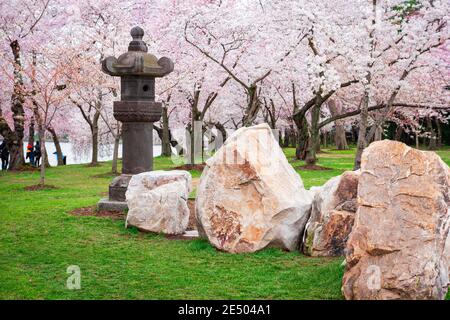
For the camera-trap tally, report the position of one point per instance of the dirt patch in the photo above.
(26, 168)
(198, 167)
(105, 175)
(192, 225)
(312, 167)
(92, 165)
(92, 211)
(39, 187)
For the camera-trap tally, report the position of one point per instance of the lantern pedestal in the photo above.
(137, 111)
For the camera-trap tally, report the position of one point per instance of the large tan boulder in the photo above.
(157, 201)
(332, 216)
(250, 197)
(396, 247)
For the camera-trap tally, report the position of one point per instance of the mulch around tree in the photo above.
(92, 165)
(92, 211)
(312, 167)
(105, 175)
(116, 215)
(39, 187)
(26, 168)
(198, 167)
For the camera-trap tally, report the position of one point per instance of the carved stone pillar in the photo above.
(137, 110)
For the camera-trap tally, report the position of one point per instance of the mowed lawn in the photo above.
(39, 240)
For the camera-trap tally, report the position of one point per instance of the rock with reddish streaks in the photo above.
(250, 197)
(332, 216)
(396, 249)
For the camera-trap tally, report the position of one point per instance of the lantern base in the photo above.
(116, 200)
(110, 205)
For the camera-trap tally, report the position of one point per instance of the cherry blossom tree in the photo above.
(305, 67)
(19, 21)
(45, 96)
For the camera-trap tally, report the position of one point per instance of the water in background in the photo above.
(73, 158)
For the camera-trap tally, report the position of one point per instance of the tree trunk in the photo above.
(45, 159)
(253, 106)
(364, 115)
(303, 139)
(432, 143)
(293, 139)
(93, 125)
(439, 134)
(6, 131)
(314, 141)
(378, 133)
(43, 155)
(192, 145)
(94, 131)
(31, 132)
(166, 149)
(41, 131)
(398, 133)
(116, 149)
(286, 138)
(59, 154)
(159, 131)
(340, 140)
(94, 160)
(363, 122)
(417, 139)
(15, 142)
(223, 133)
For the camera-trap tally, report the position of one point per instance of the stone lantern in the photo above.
(137, 110)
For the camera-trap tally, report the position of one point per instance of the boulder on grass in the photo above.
(157, 201)
(250, 197)
(332, 216)
(396, 247)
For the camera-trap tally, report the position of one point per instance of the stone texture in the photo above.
(106, 204)
(118, 187)
(447, 254)
(250, 197)
(396, 247)
(332, 216)
(157, 201)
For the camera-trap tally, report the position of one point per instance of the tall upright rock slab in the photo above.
(250, 197)
(396, 247)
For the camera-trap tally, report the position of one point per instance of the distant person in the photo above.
(30, 154)
(37, 154)
(4, 155)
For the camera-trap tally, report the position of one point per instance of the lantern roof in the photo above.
(137, 61)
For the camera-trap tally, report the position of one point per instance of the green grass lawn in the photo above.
(39, 239)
